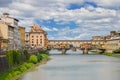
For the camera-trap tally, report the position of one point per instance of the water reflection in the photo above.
(55, 51)
(77, 67)
(68, 52)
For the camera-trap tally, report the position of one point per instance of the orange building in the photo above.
(38, 37)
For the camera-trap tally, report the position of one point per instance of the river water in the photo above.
(75, 66)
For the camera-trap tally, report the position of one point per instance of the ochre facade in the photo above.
(22, 37)
(38, 37)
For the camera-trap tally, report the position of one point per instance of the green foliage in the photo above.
(42, 56)
(23, 68)
(26, 54)
(33, 59)
(108, 53)
(39, 57)
(43, 52)
(13, 57)
(9, 57)
(116, 51)
(28, 65)
(9, 76)
(15, 71)
(111, 54)
(16, 56)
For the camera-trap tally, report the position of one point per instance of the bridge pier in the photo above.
(64, 51)
(85, 51)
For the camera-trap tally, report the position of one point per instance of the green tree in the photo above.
(26, 54)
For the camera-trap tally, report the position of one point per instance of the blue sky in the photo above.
(66, 19)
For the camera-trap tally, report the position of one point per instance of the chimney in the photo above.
(5, 15)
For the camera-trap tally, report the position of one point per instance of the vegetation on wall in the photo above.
(9, 57)
(17, 68)
(13, 57)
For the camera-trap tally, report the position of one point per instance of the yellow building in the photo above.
(11, 21)
(38, 37)
(22, 37)
(7, 35)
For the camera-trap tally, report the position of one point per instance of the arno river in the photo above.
(75, 66)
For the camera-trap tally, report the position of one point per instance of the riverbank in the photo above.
(112, 54)
(16, 72)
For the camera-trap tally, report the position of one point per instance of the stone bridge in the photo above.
(84, 45)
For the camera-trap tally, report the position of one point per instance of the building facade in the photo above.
(7, 34)
(22, 37)
(112, 44)
(98, 38)
(27, 40)
(115, 34)
(14, 23)
(38, 37)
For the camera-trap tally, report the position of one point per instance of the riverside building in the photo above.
(37, 37)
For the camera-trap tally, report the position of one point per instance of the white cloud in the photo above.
(107, 3)
(55, 29)
(27, 23)
(46, 29)
(89, 18)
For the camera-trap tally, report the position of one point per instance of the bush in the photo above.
(39, 57)
(28, 65)
(42, 56)
(23, 68)
(14, 73)
(108, 53)
(9, 76)
(33, 59)
(116, 51)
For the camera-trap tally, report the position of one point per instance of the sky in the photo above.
(66, 19)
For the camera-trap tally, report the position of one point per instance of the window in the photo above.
(37, 43)
(37, 40)
(26, 35)
(32, 36)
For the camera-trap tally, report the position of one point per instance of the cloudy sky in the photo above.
(66, 19)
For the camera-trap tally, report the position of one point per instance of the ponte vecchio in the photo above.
(84, 45)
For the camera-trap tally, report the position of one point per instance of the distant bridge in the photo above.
(84, 45)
